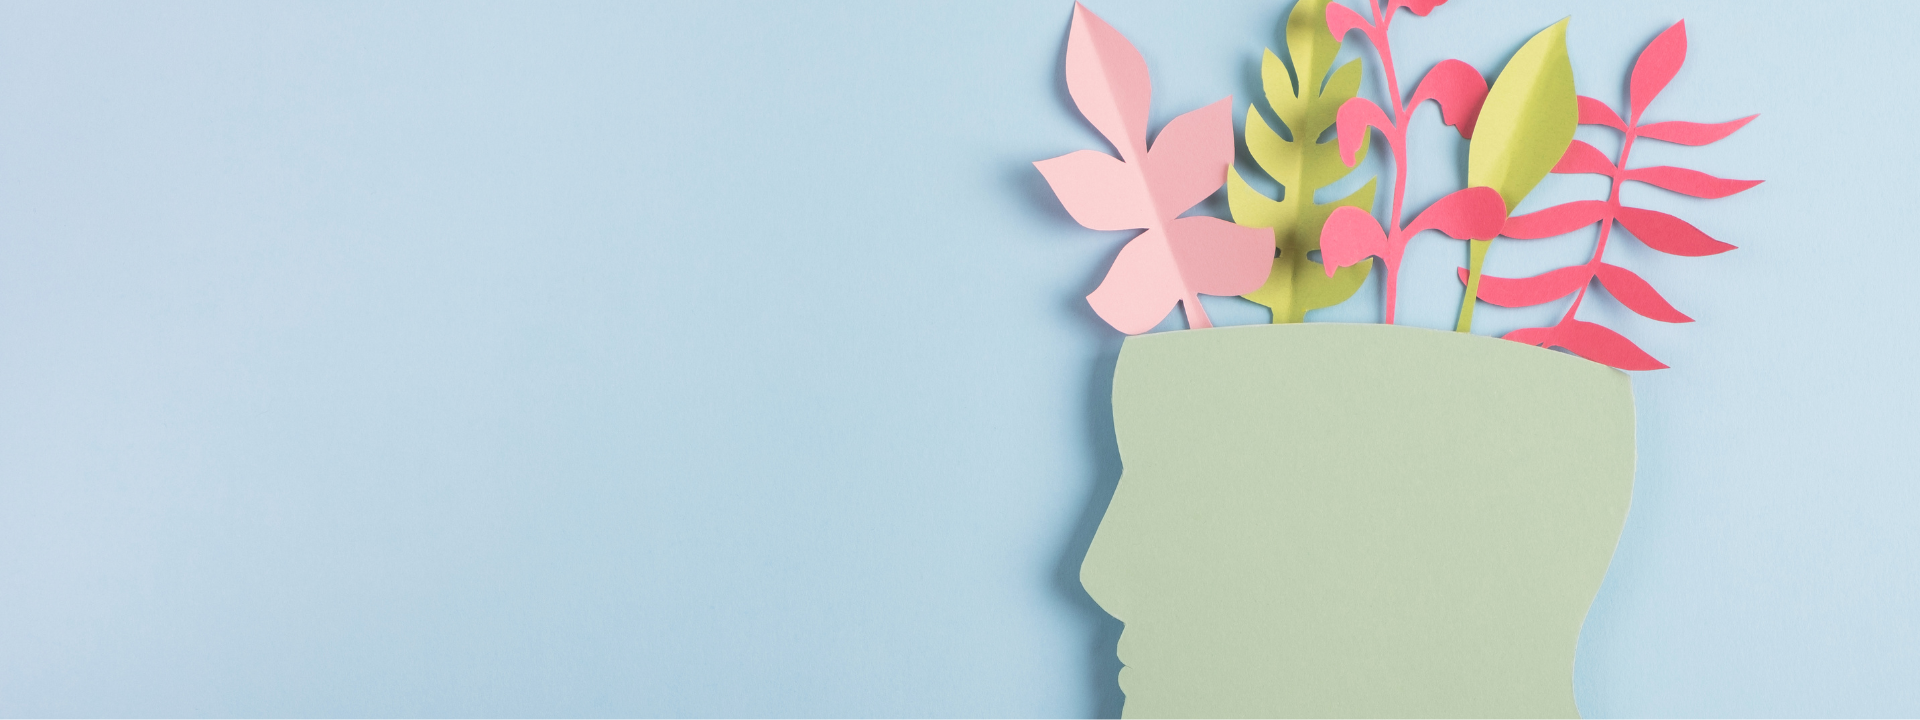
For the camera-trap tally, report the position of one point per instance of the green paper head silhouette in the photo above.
(1357, 520)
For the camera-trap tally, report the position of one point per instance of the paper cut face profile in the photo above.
(1357, 520)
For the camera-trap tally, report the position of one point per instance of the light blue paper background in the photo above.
(710, 359)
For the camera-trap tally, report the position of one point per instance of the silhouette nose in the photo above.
(1104, 573)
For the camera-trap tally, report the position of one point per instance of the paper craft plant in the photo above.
(1177, 258)
(1520, 129)
(1302, 164)
(1307, 523)
(1656, 66)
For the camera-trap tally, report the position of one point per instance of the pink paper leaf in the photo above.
(1584, 158)
(1531, 336)
(1657, 65)
(1356, 115)
(1342, 19)
(1690, 133)
(1141, 287)
(1189, 158)
(1107, 78)
(1601, 345)
(1594, 112)
(1217, 257)
(1417, 7)
(1349, 236)
(1099, 191)
(1638, 295)
(1476, 212)
(1177, 258)
(1529, 291)
(1458, 88)
(1556, 220)
(1669, 234)
(1689, 182)
(1192, 255)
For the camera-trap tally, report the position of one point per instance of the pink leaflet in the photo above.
(1350, 235)
(1689, 182)
(1351, 124)
(1417, 7)
(1601, 345)
(1458, 88)
(1584, 158)
(1342, 19)
(1690, 133)
(1656, 66)
(1638, 295)
(1540, 336)
(1594, 112)
(1669, 234)
(1164, 266)
(1107, 78)
(1189, 159)
(1100, 191)
(1528, 291)
(1556, 220)
(1476, 212)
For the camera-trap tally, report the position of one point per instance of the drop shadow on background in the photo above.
(1100, 455)
(1100, 451)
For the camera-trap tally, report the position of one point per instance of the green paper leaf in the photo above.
(1524, 128)
(1307, 101)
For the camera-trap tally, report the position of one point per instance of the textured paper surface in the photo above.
(1329, 520)
(1177, 258)
(1302, 166)
(1523, 130)
(1656, 66)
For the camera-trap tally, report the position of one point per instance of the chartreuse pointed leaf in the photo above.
(1307, 101)
(1524, 128)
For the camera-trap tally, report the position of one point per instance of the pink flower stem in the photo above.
(1397, 144)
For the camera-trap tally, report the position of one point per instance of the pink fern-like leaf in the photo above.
(1557, 220)
(1655, 67)
(1594, 112)
(1668, 234)
(1689, 182)
(1584, 158)
(1638, 295)
(1692, 133)
(1529, 291)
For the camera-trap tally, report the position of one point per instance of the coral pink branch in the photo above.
(1351, 234)
(1652, 71)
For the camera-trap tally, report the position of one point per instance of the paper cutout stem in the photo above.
(1655, 67)
(1177, 258)
(1302, 165)
(1524, 128)
(1476, 212)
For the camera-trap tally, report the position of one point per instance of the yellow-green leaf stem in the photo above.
(1302, 166)
(1524, 127)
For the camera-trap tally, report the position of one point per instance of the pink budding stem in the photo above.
(1396, 143)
